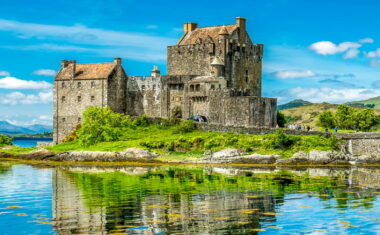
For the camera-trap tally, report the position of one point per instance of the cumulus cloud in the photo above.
(15, 83)
(16, 97)
(28, 120)
(317, 95)
(366, 40)
(288, 74)
(45, 72)
(330, 48)
(338, 83)
(373, 54)
(4, 73)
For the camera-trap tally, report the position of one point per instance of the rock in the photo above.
(226, 153)
(87, 156)
(366, 159)
(5, 155)
(37, 154)
(139, 153)
(258, 159)
(295, 160)
(7, 147)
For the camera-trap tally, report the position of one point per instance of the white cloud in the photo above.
(318, 95)
(28, 120)
(373, 54)
(288, 74)
(15, 83)
(329, 48)
(91, 39)
(45, 72)
(16, 97)
(4, 73)
(351, 53)
(366, 40)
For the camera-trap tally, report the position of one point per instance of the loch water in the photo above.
(188, 200)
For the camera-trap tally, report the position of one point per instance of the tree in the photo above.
(345, 117)
(326, 119)
(365, 119)
(5, 140)
(281, 120)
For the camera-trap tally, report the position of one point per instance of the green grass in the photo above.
(171, 145)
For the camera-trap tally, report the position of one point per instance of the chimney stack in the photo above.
(241, 23)
(64, 63)
(155, 72)
(73, 64)
(188, 27)
(117, 61)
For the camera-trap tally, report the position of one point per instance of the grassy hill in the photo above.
(374, 100)
(307, 114)
(292, 104)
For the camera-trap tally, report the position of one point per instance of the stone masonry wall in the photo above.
(71, 99)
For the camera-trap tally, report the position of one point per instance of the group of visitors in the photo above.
(299, 127)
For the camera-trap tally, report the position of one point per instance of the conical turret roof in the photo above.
(217, 61)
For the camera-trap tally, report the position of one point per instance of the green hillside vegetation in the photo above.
(104, 130)
(292, 104)
(373, 101)
(307, 115)
(5, 140)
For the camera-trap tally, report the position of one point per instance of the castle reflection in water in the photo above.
(154, 200)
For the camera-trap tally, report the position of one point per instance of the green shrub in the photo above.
(141, 121)
(185, 127)
(73, 135)
(280, 140)
(5, 140)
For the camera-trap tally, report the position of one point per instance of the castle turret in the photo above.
(188, 27)
(156, 72)
(217, 67)
(241, 23)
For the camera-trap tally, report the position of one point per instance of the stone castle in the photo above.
(211, 71)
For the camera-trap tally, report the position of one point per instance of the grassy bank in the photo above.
(103, 130)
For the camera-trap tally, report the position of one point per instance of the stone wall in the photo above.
(361, 143)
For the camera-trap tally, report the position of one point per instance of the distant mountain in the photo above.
(367, 103)
(39, 128)
(10, 129)
(293, 104)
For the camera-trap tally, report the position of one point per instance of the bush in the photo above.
(141, 121)
(5, 140)
(281, 121)
(282, 140)
(326, 119)
(73, 135)
(185, 127)
(103, 125)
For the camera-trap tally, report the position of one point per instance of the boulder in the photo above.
(258, 159)
(139, 153)
(295, 160)
(87, 156)
(226, 153)
(37, 154)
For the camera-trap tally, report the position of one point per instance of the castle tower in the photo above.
(155, 72)
(217, 67)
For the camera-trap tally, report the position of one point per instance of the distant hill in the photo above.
(307, 114)
(293, 104)
(374, 100)
(10, 129)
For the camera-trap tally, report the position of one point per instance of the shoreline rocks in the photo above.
(225, 156)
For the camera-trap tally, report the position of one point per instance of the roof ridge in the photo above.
(214, 26)
(97, 63)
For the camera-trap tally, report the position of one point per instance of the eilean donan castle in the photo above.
(211, 71)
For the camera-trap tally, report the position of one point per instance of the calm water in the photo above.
(188, 200)
(29, 142)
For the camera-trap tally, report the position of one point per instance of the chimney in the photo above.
(73, 67)
(64, 63)
(241, 23)
(155, 72)
(117, 61)
(188, 27)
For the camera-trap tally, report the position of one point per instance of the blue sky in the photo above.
(314, 50)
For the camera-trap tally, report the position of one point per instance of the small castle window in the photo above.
(92, 84)
(246, 76)
(63, 119)
(79, 85)
(143, 87)
(79, 98)
(197, 87)
(63, 99)
(154, 87)
(92, 98)
(79, 119)
(212, 87)
(191, 87)
(63, 85)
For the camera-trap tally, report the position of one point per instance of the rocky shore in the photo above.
(226, 156)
